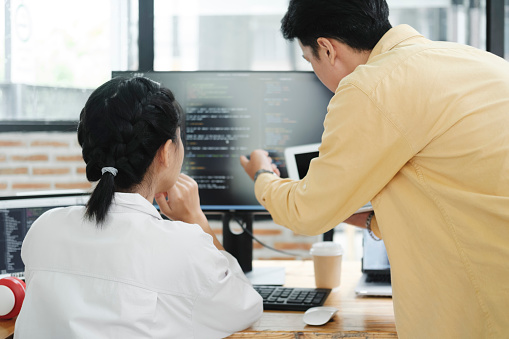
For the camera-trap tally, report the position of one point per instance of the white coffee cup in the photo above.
(327, 257)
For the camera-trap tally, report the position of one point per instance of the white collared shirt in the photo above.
(137, 276)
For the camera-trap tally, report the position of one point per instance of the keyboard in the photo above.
(291, 298)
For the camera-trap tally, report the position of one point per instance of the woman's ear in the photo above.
(163, 154)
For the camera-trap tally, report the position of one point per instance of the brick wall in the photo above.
(40, 161)
(52, 161)
(275, 236)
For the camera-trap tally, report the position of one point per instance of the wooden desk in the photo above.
(7, 328)
(358, 317)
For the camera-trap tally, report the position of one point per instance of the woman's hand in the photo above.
(182, 201)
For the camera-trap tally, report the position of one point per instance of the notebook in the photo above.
(298, 158)
(376, 271)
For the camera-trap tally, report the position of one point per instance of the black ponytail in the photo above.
(123, 124)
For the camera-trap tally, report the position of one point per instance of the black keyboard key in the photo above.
(291, 299)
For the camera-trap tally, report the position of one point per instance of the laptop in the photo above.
(376, 273)
(376, 270)
(17, 214)
(298, 158)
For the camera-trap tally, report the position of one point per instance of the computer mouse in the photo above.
(319, 315)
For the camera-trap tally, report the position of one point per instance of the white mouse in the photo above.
(319, 315)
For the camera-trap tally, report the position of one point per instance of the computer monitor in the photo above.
(231, 113)
(17, 214)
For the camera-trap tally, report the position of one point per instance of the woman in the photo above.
(115, 268)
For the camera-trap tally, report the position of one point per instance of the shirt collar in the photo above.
(392, 38)
(134, 201)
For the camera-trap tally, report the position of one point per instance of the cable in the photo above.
(241, 224)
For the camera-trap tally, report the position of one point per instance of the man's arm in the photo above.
(361, 151)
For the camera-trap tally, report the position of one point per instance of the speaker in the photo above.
(12, 294)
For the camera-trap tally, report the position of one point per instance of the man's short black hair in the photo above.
(358, 23)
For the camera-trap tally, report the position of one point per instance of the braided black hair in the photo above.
(123, 124)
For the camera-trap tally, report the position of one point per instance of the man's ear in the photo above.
(327, 49)
(163, 154)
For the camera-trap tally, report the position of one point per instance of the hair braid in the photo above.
(123, 124)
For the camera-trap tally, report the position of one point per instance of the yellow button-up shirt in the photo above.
(421, 130)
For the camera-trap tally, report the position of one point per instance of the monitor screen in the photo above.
(17, 214)
(231, 113)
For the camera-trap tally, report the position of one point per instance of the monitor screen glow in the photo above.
(231, 113)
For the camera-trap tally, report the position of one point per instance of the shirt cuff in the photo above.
(260, 184)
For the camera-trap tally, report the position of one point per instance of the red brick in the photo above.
(51, 171)
(81, 170)
(73, 185)
(11, 171)
(3, 186)
(3, 158)
(70, 158)
(292, 246)
(34, 157)
(30, 186)
(11, 143)
(257, 245)
(266, 232)
(41, 143)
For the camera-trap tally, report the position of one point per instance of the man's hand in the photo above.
(259, 159)
(358, 219)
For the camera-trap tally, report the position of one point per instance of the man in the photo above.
(420, 129)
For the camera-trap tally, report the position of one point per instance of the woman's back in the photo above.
(136, 276)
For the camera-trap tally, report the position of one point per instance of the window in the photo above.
(462, 21)
(222, 34)
(245, 34)
(55, 52)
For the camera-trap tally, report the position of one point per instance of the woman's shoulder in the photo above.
(47, 227)
(51, 217)
(180, 230)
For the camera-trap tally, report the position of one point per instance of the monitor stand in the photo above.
(240, 245)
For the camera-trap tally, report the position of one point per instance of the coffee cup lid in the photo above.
(325, 248)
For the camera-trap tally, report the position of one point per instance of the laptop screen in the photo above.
(374, 256)
(298, 159)
(17, 214)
